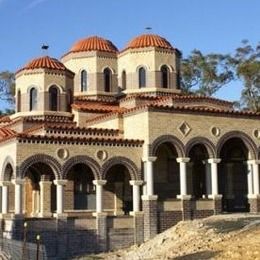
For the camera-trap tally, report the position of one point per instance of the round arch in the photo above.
(249, 143)
(168, 139)
(210, 147)
(166, 65)
(84, 159)
(60, 88)
(130, 165)
(8, 161)
(40, 158)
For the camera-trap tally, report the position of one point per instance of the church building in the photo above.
(104, 150)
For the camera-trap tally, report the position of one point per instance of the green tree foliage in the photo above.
(246, 62)
(205, 74)
(7, 87)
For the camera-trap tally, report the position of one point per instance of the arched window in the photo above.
(123, 79)
(33, 99)
(165, 76)
(142, 77)
(18, 100)
(107, 80)
(84, 80)
(53, 98)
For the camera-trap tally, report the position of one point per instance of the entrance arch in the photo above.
(233, 184)
(39, 190)
(166, 172)
(198, 176)
(80, 190)
(117, 191)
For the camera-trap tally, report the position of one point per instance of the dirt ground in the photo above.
(235, 236)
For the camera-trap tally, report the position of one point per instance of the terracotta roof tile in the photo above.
(6, 133)
(149, 40)
(45, 62)
(93, 43)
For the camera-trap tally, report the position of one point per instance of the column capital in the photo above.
(5, 183)
(99, 182)
(137, 183)
(149, 159)
(60, 182)
(183, 159)
(253, 162)
(18, 181)
(214, 160)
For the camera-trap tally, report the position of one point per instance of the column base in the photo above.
(60, 215)
(186, 207)
(17, 216)
(184, 197)
(5, 215)
(45, 215)
(136, 213)
(149, 197)
(138, 220)
(215, 196)
(254, 201)
(150, 217)
(99, 214)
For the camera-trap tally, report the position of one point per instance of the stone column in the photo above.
(254, 198)
(183, 176)
(45, 198)
(185, 198)
(217, 198)
(4, 185)
(101, 217)
(256, 177)
(136, 195)
(149, 175)
(60, 198)
(99, 194)
(18, 197)
(149, 202)
(208, 178)
(250, 177)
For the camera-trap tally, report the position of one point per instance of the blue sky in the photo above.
(211, 26)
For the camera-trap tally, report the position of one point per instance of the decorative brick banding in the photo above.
(40, 158)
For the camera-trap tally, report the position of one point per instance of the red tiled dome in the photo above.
(45, 62)
(94, 43)
(149, 40)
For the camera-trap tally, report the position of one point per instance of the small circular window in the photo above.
(215, 131)
(101, 155)
(256, 133)
(62, 153)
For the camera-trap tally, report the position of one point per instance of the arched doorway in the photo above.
(166, 172)
(80, 190)
(8, 189)
(198, 172)
(117, 191)
(40, 191)
(233, 170)
(53, 98)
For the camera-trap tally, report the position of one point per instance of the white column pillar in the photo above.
(208, 178)
(99, 194)
(214, 175)
(149, 175)
(60, 197)
(5, 185)
(18, 196)
(183, 176)
(250, 177)
(144, 186)
(136, 195)
(256, 176)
